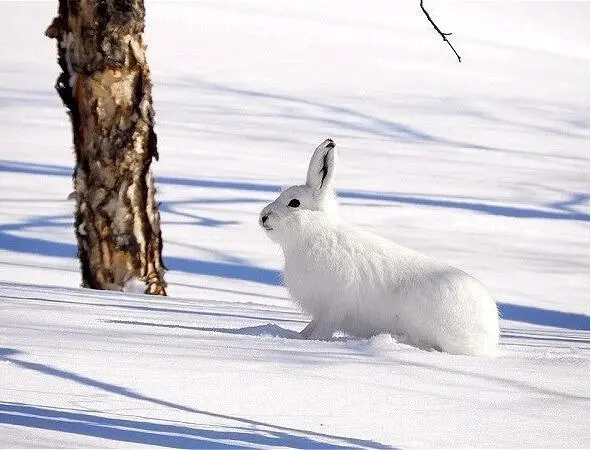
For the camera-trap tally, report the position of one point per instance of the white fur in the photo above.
(362, 284)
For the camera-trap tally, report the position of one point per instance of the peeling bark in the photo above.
(105, 85)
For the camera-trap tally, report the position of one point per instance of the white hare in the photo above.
(364, 285)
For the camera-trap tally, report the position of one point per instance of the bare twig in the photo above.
(441, 33)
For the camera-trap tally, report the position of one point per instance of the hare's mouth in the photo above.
(267, 227)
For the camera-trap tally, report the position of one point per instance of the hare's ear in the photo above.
(322, 166)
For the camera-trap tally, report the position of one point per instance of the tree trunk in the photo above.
(105, 85)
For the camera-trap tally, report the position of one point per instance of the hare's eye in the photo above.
(294, 203)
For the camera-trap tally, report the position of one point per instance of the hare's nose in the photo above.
(264, 219)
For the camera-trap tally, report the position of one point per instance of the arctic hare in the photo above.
(364, 285)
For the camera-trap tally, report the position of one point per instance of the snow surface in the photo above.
(484, 164)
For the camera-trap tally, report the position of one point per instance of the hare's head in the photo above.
(279, 217)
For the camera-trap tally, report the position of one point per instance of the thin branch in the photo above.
(441, 33)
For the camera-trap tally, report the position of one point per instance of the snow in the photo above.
(484, 164)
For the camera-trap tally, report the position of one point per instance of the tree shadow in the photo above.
(498, 380)
(124, 430)
(542, 337)
(304, 110)
(544, 317)
(271, 277)
(528, 116)
(245, 431)
(235, 269)
(168, 435)
(555, 211)
(545, 337)
(270, 329)
(169, 311)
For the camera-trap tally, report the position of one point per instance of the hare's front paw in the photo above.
(306, 332)
(317, 330)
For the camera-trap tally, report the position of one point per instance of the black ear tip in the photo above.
(330, 143)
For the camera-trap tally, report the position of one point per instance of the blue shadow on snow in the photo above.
(545, 317)
(559, 211)
(247, 433)
(245, 272)
(151, 433)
